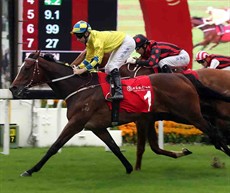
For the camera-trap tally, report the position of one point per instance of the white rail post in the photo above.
(161, 134)
(59, 129)
(6, 133)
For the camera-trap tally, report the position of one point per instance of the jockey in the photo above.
(213, 60)
(218, 17)
(162, 54)
(97, 44)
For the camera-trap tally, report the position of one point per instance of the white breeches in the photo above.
(120, 55)
(227, 68)
(182, 59)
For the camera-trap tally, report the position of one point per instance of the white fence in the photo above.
(40, 126)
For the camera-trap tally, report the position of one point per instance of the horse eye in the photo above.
(28, 63)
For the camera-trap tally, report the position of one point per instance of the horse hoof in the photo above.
(137, 168)
(129, 170)
(25, 174)
(186, 151)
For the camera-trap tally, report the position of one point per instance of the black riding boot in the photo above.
(118, 95)
(166, 69)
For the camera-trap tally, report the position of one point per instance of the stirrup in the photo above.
(116, 97)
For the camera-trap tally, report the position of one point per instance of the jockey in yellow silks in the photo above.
(97, 44)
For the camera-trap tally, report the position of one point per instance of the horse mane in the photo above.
(61, 69)
(50, 58)
(195, 17)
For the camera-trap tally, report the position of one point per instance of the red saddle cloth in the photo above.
(226, 36)
(193, 72)
(138, 93)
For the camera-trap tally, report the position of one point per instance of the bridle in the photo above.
(36, 73)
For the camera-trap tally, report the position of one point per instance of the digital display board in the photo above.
(47, 25)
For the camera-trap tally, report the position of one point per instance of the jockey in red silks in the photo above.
(213, 61)
(162, 54)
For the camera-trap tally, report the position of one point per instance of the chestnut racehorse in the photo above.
(217, 111)
(87, 107)
(211, 33)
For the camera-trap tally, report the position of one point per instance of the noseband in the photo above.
(36, 72)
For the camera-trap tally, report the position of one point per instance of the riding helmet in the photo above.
(140, 40)
(201, 55)
(81, 27)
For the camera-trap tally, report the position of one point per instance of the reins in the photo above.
(137, 68)
(80, 90)
(37, 72)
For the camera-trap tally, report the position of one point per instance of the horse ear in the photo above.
(37, 53)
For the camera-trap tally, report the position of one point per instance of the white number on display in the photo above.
(30, 14)
(52, 43)
(30, 42)
(57, 2)
(52, 29)
(30, 28)
(30, 1)
(48, 2)
(49, 15)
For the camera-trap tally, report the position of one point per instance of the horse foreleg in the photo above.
(153, 142)
(216, 41)
(196, 45)
(68, 132)
(204, 43)
(141, 142)
(104, 135)
(213, 46)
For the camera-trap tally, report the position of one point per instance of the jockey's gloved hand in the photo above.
(131, 60)
(75, 67)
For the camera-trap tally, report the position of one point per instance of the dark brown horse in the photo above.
(87, 107)
(211, 33)
(217, 111)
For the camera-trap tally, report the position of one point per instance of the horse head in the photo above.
(202, 23)
(196, 21)
(29, 75)
(36, 70)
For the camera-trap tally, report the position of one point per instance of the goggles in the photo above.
(200, 61)
(79, 36)
(138, 48)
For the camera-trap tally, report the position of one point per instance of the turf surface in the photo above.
(93, 170)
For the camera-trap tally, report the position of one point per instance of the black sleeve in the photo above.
(152, 60)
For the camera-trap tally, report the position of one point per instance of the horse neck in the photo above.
(63, 88)
(133, 70)
(125, 72)
(197, 21)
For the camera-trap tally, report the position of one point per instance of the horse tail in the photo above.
(206, 92)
